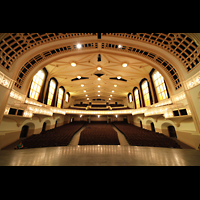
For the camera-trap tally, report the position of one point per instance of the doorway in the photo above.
(152, 127)
(141, 124)
(172, 131)
(44, 127)
(24, 131)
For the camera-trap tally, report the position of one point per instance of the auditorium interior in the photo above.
(100, 99)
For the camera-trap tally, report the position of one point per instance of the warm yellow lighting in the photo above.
(99, 79)
(78, 46)
(124, 65)
(145, 91)
(60, 97)
(115, 85)
(82, 85)
(160, 86)
(51, 92)
(99, 95)
(98, 68)
(111, 95)
(119, 77)
(99, 86)
(84, 90)
(113, 91)
(79, 77)
(73, 64)
(99, 91)
(37, 84)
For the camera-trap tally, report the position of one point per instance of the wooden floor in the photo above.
(100, 155)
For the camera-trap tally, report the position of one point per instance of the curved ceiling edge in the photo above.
(31, 63)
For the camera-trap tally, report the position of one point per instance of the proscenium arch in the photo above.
(168, 67)
(181, 45)
(139, 49)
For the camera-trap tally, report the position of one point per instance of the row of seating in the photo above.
(60, 136)
(137, 136)
(98, 134)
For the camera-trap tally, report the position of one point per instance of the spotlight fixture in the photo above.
(86, 95)
(111, 95)
(98, 68)
(78, 46)
(99, 86)
(99, 95)
(113, 91)
(84, 90)
(119, 77)
(115, 85)
(98, 91)
(124, 65)
(82, 85)
(119, 46)
(99, 79)
(73, 64)
(79, 77)
(109, 98)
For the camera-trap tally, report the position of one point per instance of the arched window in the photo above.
(137, 98)
(130, 97)
(67, 97)
(145, 92)
(52, 87)
(36, 84)
(60, 97)
(160, 86)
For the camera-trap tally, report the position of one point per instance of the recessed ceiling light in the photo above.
(113, 91)
(109, 98)
(119, 77)
(111, 95)
(124, 65)
(88, 98)
(99, 79)
(115, 85)
(79, 77)
(78, 46)
(73, 64)
(98, 91)
(84, 90)
(98, 68)
(82, 85)
(99, 86)
(119, 46)
(99, 95)
(86, 95)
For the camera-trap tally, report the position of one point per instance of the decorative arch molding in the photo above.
(14, 45)
(37, 59)
(181, 45)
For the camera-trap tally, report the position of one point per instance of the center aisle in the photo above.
(99, 134)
